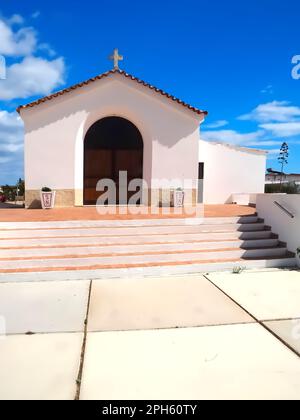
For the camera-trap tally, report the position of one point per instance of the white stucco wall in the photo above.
(55, 130)
(287, 228)
(230, 170)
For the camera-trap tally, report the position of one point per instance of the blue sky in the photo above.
(231, 58)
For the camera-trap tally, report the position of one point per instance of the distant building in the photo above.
(274, 177)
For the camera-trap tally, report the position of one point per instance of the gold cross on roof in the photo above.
(116, 58)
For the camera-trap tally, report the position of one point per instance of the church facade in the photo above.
(117, 124)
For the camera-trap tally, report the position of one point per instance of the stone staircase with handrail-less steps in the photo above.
(146, 246)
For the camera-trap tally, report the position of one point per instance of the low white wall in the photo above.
(231, 170)
(287, 228)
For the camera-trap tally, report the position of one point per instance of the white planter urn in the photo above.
(178, 198)
(48, 199)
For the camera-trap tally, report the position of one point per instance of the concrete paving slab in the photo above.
(149, 303)
(39, 367)
(224, 362)
(288, 330)
(266, 295)
(44, 306)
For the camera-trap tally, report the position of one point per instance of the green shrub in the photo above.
(21, 187)
(238, 270)
(10, 192)
(289, 188)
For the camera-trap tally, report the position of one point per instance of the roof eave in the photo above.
(103, 75)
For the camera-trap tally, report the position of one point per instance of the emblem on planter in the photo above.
(47, 198)
(178, 198)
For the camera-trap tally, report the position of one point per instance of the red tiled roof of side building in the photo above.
(102, 76)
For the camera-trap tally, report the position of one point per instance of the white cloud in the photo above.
(11, 131)
(18, 43)
(11, 145)
(217, 124)
(32, 76)
(47, 48)
(265, 143)
(11, 148)
(268, 90)
(276, 111)
(273, 153)
(289, 129)
(233, 137)
(15, 20)
(9, 120)
(36, 14)
(4, 160)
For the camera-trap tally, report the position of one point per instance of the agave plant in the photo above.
(238, 270)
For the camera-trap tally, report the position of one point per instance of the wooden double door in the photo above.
(112, 146)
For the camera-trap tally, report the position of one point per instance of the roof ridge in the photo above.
(102, 76)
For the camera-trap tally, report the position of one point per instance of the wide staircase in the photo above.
(150, 246)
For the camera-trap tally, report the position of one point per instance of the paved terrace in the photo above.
(90, 213)
(216, 336)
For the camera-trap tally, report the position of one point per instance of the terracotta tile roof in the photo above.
(102, 76)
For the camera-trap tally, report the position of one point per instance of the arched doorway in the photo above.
(111, 145)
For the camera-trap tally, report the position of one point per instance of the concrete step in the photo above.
(127, 231)
(169, 245)
(143, 271)
(134, 249)
(104, 261)
(126, 223)
(277, 251)
(266, 233)
(116, 240)
(258, 243)
(136, 239)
